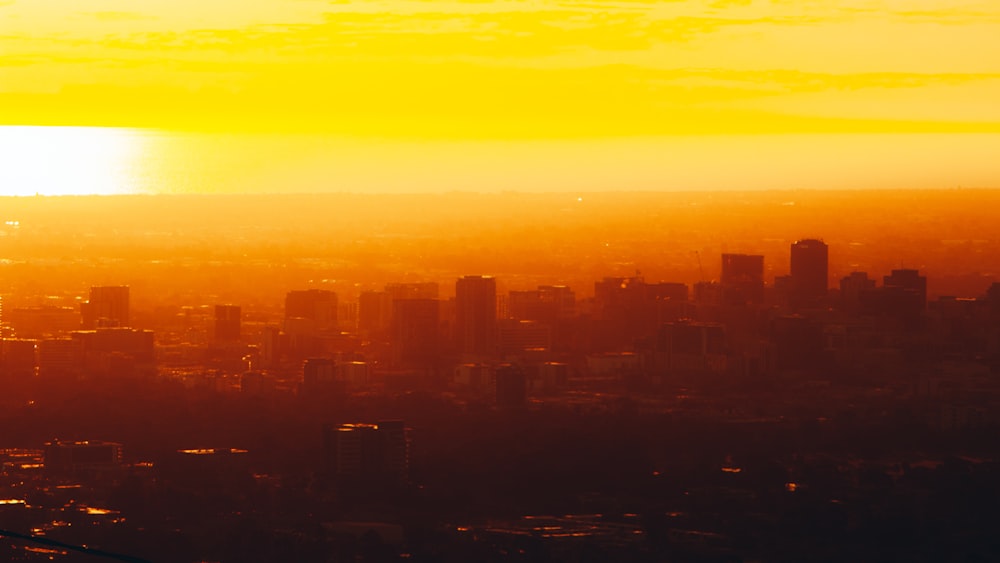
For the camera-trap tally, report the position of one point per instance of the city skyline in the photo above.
(368, 281)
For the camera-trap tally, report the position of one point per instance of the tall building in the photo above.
(227, 323)
(688, 348)
(415, 328)
(368, 455)
(17, 358)
(476, 315)
(851, 288)
(547, 303)
(910, 281)
(375, 308)
(108, 306)
(319, 377)
(316, 305)
(743, 278)
(810, 268)
(59, 357)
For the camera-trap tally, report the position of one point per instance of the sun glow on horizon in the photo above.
(56, 161)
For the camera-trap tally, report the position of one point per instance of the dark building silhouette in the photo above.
(227, 323)
(415, 332)
(810, 269)
(851, 288)
(108, 306)
(742, 278)
(364, 457)
(476, 315)
(60, 357)
(627, 309)
(910, 281)
(67, 458)
(319, 378)
(548, 303)
(374, 311)
(115, 351)
(691, 348)
(375, 308)
(17, 358)
(316, 305)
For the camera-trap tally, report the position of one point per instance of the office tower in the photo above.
(108, 306)
(476, 315)
(18, 358)
(375, 308)
(319, 377)
(60, 357)
(548, 303)
(374, 311)
(38, 322)
(368, 455)
(227, 323)
(415, 328)
(851, 288)
(316, 305)
(809, 268)
(910, 281)
(514, 336)
(743, 278)
(692, 348)
(115, 351)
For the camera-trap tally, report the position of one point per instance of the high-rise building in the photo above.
(107, 307)
(374, 311)
(319, 377)
(692, 347)
(810, 268)
(910, 281)
(227, 323)
(851, 288)
(375, 308)
(17, 358)
(743, 278)
(548, 303)
(415, 328)
(317, 305)
(476, 315)
(59, 357)
(368, 455)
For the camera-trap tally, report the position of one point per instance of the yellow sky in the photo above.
(501, 69)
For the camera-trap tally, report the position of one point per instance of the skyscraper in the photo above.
(476, 315)
(415, 326)
(910, 281)
(743, 278)
(809, 268)
(317, 305)
(108, 306)
(227, 323)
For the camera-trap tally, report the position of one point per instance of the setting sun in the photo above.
(67, 160)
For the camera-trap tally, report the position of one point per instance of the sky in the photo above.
(505, 69)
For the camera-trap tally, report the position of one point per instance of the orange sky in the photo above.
(504, 69)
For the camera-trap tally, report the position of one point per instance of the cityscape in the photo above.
(776, 408)
(495, 281)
